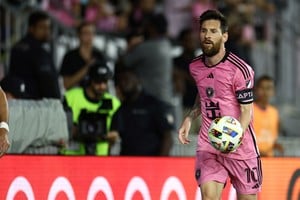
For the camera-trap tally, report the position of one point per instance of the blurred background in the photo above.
(265, 33)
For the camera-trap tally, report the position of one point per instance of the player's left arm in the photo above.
(246, 115)
(243, 84)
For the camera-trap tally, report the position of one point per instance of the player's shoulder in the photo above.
(197, 58)
(197, 62)
(240, 65)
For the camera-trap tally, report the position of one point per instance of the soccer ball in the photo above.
(225, 134)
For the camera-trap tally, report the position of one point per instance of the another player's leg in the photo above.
(246, 196)
(211, 190)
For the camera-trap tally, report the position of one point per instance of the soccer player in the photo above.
(224, 84)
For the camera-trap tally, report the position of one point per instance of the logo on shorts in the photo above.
(198, 174)
(256, 186)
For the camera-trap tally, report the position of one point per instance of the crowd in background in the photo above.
(150, 28)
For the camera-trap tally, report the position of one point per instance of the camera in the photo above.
(91, 126)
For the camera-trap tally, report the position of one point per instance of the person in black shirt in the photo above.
(143, 122)
(76, 63)
(31, 59)
(184, 83)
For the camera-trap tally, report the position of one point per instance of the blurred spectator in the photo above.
(14, 88)
(143, 122)
(151, 59)
(31, 59)
(67, 12)
(263, 49)
(93, 108)
(198, 7)
(266, 117)
(102, 14)
(241, 38)
(178, 14)
(76, 63)
(140, 13)
(184, 83)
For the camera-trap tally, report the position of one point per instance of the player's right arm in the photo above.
(184, 130)
(4, 142)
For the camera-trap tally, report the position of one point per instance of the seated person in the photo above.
(266, 117)
(92, 102)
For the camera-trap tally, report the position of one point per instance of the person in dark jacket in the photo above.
(31, 59)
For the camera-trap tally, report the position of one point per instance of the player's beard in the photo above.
(211, 50)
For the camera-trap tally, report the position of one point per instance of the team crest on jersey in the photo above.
(210, 92)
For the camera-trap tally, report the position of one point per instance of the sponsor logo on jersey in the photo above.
(210, 75)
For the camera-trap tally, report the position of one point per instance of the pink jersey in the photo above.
(222, 88)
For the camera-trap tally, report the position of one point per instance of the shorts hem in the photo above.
(207, 180)
(247, 192)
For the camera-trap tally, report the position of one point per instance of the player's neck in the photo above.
(213, 60)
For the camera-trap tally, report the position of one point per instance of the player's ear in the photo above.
(225, 37)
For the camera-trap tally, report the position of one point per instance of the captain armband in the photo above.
(245, 96)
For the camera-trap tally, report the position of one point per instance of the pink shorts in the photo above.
(245, 175)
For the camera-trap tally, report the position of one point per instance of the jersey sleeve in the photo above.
(243, 85)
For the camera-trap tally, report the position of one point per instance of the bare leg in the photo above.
(211, 190)
(247, 197)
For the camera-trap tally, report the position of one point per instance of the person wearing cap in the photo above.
(92, 98)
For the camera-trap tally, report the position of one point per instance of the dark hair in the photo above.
(158, 22)
(124, 70)
(82, 25)
(263, 78)
(216, 15)
(36, 17)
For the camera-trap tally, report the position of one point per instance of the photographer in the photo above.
(92, 108)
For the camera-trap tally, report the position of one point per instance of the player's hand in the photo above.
(4, 142)
(184, 130)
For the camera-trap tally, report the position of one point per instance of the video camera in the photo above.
(92, 126)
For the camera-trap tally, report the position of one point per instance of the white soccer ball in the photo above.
(225, 134)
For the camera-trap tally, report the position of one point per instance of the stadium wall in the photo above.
(117, 178)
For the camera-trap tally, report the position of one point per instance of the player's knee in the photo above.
(247, 197)
(207, 194)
